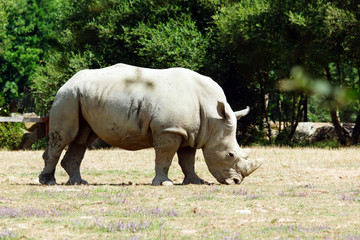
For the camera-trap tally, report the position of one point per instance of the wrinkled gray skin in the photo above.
(173, 110)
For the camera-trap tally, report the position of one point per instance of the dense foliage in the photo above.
(247, 46)
(11, 135)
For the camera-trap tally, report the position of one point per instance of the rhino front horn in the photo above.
(250, 165)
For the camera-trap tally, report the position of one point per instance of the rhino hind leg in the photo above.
(166, 145)
(71, 163)
(57, 142)
(64, 126)
(47, 176)
(186, 157)
(75, 154)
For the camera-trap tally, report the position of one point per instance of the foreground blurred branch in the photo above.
(335, 97)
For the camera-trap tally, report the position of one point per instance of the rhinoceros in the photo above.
(175, 111)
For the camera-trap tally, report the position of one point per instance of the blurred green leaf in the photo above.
(300, 81)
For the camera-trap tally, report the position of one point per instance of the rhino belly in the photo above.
(128, 141)
(123, 127)
(122, 136)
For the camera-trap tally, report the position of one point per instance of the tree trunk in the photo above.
(279, 112)
(334, 117)
(265, 103)
(293, 111)
(338, 129)
(297, 118)
(306, 109)
(356, 131)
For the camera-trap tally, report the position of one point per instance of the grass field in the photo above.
(296, 194)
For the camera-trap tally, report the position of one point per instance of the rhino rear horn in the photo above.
(242, 113)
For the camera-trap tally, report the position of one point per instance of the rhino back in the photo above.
(126, 106)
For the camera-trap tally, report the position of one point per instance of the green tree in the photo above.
(247, 46)
(25, 32)
(252, 46)
(149, 33)
(176, 43)
(262, 40)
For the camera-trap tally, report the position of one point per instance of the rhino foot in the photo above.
(76, 181)
(157, 181)
(47, 179)
(193, 180)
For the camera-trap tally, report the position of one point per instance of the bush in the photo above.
(253, 137)
(282, 139)
(49, 78)
(176, 43)
(40, 144)
(11, 135)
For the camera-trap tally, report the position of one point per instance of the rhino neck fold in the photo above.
(203, 133)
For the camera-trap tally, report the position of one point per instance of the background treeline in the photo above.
(247, 46)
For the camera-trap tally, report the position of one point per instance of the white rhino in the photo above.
(174, 110)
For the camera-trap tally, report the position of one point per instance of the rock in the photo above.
(315, 132)
(33, 130)
(30, 126)
(326, 132)
(28, 139)
(167, 183)
(304, 130)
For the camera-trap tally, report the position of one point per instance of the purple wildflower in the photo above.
(5, 234)
(242, 192)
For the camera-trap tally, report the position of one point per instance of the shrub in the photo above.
(49, 78)
(11, 135)
(40, 144)
(176, 43)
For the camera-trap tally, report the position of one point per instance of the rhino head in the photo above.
(226, 161)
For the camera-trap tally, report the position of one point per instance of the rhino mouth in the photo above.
(229, 177)
(232, 180)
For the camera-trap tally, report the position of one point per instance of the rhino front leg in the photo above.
(186, 157)
(166, 145)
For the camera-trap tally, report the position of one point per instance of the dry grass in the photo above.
(297, 193)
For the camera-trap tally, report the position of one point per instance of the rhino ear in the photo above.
(242, 113)
(224, 110)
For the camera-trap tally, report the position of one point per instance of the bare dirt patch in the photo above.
(297, 193)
